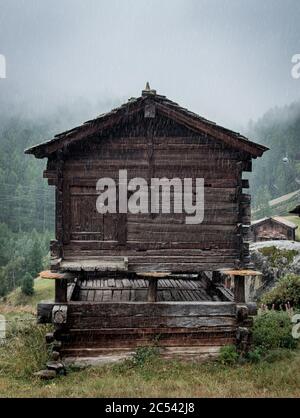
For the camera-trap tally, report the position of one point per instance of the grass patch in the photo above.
(160, 378)
(276, 374)
(24, 351)
(16, 301)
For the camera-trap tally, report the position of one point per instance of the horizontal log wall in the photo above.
(176, 327)
(164, 149)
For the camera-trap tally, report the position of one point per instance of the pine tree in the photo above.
(28, 285)
(35, 259)
(3, 284)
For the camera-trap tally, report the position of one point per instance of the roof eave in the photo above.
(173, 111)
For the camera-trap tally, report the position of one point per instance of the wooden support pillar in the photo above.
(216, 277)
(152, 278)
(152, 290)
(61, 287)
(239, 282)
(239, 289)
(61, 284)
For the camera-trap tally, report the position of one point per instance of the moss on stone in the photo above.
(277, 257)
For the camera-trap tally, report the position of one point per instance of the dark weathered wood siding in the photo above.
(188, 329)
(155, 147)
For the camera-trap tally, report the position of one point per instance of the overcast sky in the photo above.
(228, 60)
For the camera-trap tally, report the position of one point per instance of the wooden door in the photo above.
(84, 223)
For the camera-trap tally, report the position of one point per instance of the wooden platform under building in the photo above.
(136, 290)
(109, 317)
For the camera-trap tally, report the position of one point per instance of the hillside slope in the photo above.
(277, 173)
(18, 303)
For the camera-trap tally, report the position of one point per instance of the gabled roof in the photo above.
(277, 219)
(163, 106)
(296, 211)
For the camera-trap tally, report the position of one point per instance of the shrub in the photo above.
(28, 285)
(273, 329)
(277, 355)
(286, 292)
(228, 355)
(277, 257)
(145, 355)
(35, 258)
(255, 355)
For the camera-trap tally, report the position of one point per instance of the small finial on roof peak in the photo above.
(148, 91)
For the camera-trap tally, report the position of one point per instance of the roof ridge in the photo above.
(189, 118)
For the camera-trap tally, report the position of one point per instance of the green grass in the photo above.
(276, 256)
(296, 221)
(146, 376)
(167, 379)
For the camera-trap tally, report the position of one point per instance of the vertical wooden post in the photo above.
(59, 227)
(152, 290)
(61, 286)
(216, 277)
(239, 289)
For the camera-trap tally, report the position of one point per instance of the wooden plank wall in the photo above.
(188, 329)
(156, 242)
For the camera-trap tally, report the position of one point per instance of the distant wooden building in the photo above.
(273, 228)
(118, 264)
(296, 211)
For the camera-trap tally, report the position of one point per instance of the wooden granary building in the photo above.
(132, 279)
(273, 228)
(296, 211)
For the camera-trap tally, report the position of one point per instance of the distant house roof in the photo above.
(296, 211)
(277, 219)
(284, 221)
(163, 106)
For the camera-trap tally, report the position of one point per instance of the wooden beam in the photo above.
(153, 281)
(152, 290)
(245, 184)
(47, 274)
(61, 287)
(44, 312)
(241, 273)
(239, 289)
(158, 275)
(141, 314)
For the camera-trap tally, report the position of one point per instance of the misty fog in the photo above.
(228, 60)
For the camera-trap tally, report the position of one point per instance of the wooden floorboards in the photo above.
(135, 290)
